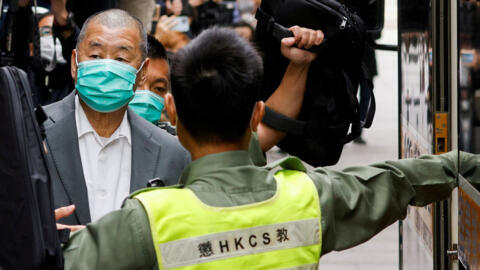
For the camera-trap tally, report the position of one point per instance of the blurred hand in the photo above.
(304, 38)
(174, 7)
(59, 10)
(195, 3)
(22, 3)
(65, 212)
(165, 24)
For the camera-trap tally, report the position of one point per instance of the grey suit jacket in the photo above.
(155, 153)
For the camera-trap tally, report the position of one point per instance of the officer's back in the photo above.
(228, 213)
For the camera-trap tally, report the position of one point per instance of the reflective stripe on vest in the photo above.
(283, 232)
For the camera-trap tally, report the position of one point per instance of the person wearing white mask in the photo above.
(48, 67)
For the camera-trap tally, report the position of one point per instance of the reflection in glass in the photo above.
(416, 80)
(416, 127)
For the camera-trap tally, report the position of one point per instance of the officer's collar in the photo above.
(212, 163)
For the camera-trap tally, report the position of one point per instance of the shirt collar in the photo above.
(84, 127)
(212, 163)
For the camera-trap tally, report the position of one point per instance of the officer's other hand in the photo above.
(65, 212)
(295, 48)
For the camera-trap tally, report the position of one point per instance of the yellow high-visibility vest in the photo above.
(283, 232)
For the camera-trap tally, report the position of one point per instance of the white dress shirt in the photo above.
(106, 163)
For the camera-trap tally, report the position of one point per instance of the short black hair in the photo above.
(155, 49)
(216, 82)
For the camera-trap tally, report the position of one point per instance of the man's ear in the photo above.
(142, 74)
(73, 65)
(171, 109)
(257, 115)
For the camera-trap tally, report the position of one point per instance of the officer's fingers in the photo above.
(75, 227)
(72, 228)
(297, 32)
(319, 37)
(311, 39)
(289, 42)
(64, 211)
(305, 37)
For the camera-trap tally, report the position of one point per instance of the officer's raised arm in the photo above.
(287, 99)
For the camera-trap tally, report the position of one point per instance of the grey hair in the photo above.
(115, 18)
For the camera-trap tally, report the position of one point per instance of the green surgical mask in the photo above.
(148, 105)
(105, 85)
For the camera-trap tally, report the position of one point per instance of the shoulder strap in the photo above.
(366, 107)
(370, 105)
(283, 123)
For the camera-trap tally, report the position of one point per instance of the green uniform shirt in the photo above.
(356, 203)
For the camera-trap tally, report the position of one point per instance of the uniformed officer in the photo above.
(228, 213)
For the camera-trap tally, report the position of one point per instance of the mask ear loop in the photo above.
(141, 66)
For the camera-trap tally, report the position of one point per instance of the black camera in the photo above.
(212, 13)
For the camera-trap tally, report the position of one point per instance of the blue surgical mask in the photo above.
(148, 105)
(105, 85)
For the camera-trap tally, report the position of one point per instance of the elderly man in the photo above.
(99, 150)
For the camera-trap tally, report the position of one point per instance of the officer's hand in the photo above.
(304, 38)
(65, 212)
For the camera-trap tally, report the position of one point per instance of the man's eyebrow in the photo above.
(94, 43)
(125, 48)
(161, 80)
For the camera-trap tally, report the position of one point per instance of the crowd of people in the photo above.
(111, 80)
(46, 52)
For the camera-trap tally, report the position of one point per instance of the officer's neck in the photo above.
(211, 149)
(200, 149)
(104, 124)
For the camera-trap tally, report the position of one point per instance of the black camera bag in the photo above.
(330, 115)
(28, 235)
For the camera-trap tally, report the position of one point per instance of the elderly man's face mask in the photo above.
(106, 64)
(105, 85)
